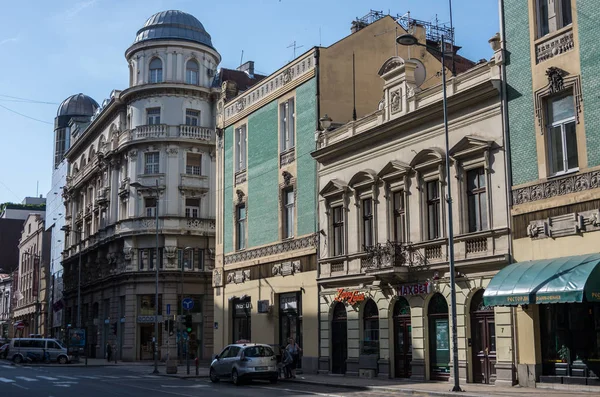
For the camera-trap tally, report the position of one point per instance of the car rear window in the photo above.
(258, 351)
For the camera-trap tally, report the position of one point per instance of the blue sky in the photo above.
(53, 49)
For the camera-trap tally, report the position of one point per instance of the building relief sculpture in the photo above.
(217, 278)
(395, 102)
(238, 276)
(557, 187)
(556, 46)
(274, 249)
(564, 225)
(287, 268)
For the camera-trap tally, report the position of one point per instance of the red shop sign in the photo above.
(413, 289)
(352, 297)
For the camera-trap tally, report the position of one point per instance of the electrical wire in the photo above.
(24, 115)
(16, 98)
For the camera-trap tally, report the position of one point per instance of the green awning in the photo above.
(559, 280)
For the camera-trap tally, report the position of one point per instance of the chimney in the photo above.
(231, 89)
(419, 32)
(357, 25)
(247, 67)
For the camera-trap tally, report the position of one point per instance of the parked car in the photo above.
(246, 361)
(46, 349)
(4, 351)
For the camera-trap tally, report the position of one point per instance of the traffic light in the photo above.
(169, 326)
(188, 323)
(114, 328)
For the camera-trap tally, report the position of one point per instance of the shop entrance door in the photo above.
(439, 340)
(339, 339)
(146, 343)
(402, 339)
(483, 340)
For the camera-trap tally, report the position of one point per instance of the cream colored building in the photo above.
(32, 307)
(383, 275)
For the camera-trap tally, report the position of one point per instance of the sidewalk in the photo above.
(440, 388)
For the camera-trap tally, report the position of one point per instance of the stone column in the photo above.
(352, 366)
(505, 370)
(418, 323)
(325, 353)
(529, 366)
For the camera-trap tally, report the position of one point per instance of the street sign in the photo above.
(168, 309)
(20, 326)
(188, 303)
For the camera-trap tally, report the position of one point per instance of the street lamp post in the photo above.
(409, 40)
(138, 185)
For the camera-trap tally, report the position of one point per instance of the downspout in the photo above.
(317, 224)
(508, 174)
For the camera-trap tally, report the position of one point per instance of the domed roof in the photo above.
(173, 24)
(77, 105)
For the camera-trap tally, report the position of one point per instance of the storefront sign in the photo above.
(414, 289)
(148, 319)
(352, 297)
(243, 308)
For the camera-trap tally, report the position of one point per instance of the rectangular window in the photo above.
(287, 120)
(338, 231)
(153, 116)
(193, 163)
(553, 15)
(477, 200)
(367, 218)
(192, 208)
(433, 210)
(562, 137)
(143, 259)
(192, 117)
(186, 259)
(240, 142)
(151, 163)
(150, 206)
(241, 227)
(148, 305)
(288, 213)
(399, 216)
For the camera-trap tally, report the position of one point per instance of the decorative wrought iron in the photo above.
(390, 255)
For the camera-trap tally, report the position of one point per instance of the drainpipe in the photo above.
(317, 224)
(508, 174)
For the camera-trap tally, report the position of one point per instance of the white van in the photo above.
(19, 347)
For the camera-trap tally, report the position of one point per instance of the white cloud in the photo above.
(9, 40)
(78, 7)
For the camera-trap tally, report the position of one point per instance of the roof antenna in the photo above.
(295, 47)
(452, 41)
(242, 58)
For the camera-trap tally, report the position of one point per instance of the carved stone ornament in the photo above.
(240, 104)
(307, 242)
(238, 276)
(395, 101)
(287, 268)
(287, 75)
(557, 187)
(392, 65)
(217, 278)
(240, 195)
(127, 254)
(555, 79)
(171, 252)
(172, 152)
(287, 178)
(133, 154)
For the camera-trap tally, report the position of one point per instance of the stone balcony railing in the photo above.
(150, 131)
(166, 131)
(194, 182)
(196, 132)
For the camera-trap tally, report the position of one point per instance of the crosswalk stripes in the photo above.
(9, 367)
(4, 380)
(57, 380)
(46, 377)
(26, 379)
(66, 377)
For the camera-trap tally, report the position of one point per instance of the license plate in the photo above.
(261, 368)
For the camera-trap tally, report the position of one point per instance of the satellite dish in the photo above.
(420, 72)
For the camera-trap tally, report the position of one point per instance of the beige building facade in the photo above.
(383, 277)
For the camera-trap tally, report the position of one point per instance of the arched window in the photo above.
(371, 328)
(191, 72)
(156, 75)
(439, 341)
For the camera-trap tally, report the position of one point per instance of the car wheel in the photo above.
(235, 377)
(17, 359)
(273, 380)
(213, 375)
(62, 360)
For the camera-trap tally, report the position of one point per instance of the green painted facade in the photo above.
(520, 93)
(263, 172)
(588, 15)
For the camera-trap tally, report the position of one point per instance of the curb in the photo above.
(184, 376)
(413, 392)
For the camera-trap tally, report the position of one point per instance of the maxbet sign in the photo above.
(413, 289)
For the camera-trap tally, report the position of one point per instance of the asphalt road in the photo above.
(59, 381)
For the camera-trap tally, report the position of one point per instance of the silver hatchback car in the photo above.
(245, 362)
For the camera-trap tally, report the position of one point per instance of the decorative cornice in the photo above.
(557, 187)
(310, 241)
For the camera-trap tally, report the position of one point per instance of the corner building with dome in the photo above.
(147, 155)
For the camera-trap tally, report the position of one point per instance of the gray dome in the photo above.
(173, 24)
(77, 105)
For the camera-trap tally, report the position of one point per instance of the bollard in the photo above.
(196, 362)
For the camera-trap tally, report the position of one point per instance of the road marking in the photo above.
(302, 392)
(9, 367)
(26, 379)
(89, 377)
(194, 386)
(61, 385)
(18, 385)
(4, 380)
(46, 377)
(131, 376)
(67, 377)
(65, 382)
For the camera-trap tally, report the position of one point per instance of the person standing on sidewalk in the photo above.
(294, 349)
(108, 351)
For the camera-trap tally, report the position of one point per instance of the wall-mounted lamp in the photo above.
(325, 122)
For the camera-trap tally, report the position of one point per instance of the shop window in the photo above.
(562, 136)
(367, 220)
(191, 72)
(147, 305)
(288, 213)
(439, 341)
(156, 71)
(287, 120)
(242, 311)
(477, 200)
(433, 210)
(370, 343)
(399, 217)
(338, 231)
(290, 318)
(552, 15)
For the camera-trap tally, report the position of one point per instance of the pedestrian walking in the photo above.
(294, 349)
(108, 351)
(286, 362)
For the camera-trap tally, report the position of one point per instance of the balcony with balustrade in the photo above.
(167, 132)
